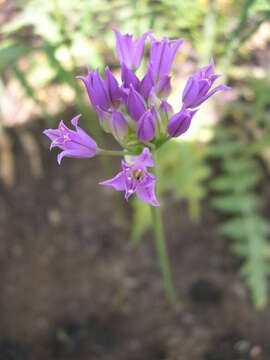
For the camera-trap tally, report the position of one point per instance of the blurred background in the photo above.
(79, 275)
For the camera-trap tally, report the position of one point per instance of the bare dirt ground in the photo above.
(73, 287)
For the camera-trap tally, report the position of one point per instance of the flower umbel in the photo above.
(134, 178)
(136, 112)
(74, 143)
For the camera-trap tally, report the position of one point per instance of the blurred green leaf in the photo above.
(235, 197)
(10, 53)
(141, 220)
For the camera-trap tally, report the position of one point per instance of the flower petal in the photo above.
(147, 83)
(52, 134)
(112, 86)
(147, 193)
(190, 92)
(130, 51)
(72, 154)
(162, 54)
(118, 182)
(129, 78)
(144, 159)
(136, 104)
(145, 129)
(212, 92)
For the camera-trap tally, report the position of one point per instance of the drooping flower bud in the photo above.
(180, 122)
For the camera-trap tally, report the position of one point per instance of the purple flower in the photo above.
(146, 126)
(119, 125)
(180, 122)
(130, 51)
(198, 85)
(164, 86)
(162, 54)
(147, 83)
(102, 94)
(74, 143)
(129, 78)
(135, 178)
(97, 90)
(112, 86)
(136, 104)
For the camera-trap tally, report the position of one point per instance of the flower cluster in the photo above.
(136, 112)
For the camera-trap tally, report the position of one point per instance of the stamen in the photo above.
(138, 174)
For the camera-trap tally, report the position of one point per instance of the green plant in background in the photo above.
(239, 147)
(242, 151)
(52, 38)
(235, 188)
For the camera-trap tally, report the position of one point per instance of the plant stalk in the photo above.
(161, 246)
(113, 152)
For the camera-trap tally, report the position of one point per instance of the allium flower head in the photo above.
(137, 114)
(136, 111)
(134, 178)
(74, 143)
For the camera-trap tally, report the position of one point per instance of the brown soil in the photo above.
(73, 287)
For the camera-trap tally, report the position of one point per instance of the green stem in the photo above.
(161, 247)
(113, 152)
